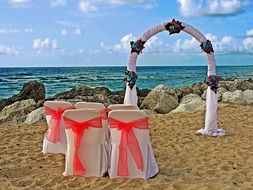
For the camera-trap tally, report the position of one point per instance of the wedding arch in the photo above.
(212, 80)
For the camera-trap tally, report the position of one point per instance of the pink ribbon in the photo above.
(53, 133)
(128, 139)
(78, 130)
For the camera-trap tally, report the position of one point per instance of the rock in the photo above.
(243, 85)
(166, 103)
(230, 79)
(220, 91)
(238, 97)
(74, 92)
(237, 84)
(203, 96)
(191, 103)
(229, 84)
(35, 116)
(248, 96)
(199, 88)
(102, 90)
(40, 103)
(143, 92)
(149, 112)
(161, 99)
(183, 92)
(31, 90)
(17, 112)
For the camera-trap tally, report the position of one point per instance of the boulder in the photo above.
(199, 88)
(243, 85)
(248, 96)
(102, 90)
(35, 116)
(230, 79)
(220, 91)
(237, 84)
(143, 92)
(238, 97)
(230, 85)
(185, 90)
(31, 90)
(191, 103)
(161, 99)
(74, 92)
(17, 112)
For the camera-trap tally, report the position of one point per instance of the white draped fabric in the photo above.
(58, 147)
(211, 100)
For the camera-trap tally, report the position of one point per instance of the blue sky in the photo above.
(97, 32)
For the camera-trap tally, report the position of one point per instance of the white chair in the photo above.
(103, 111)
(86, 152)
(131, 151)
(55, 138)
(122, 107)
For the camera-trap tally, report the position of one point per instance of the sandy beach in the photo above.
(186, 160)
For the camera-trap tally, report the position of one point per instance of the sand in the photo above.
(186, 160)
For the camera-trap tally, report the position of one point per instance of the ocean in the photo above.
(61, 79)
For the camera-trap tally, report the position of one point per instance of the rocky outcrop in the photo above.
(31, 90)
(185, 90)
(237, 84)
(190, 103)
(220, 91)
(35, 116)
(17, 112)
(199, 88)
(161, 100)
(238, 97)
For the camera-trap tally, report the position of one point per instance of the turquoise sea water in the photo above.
(64, 78)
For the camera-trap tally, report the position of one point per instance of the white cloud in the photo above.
(225, 43)
(189, 8)
(28, 30)
(18, 2)
(77, 31)
(248, 44)
(57, 3)
(249, 32)
(64, 32)
(6, 50)
(46, 43)
(87, 7)
(185, 45)
(54, 44)
(15, 30)
(124, 45)
(147, 4)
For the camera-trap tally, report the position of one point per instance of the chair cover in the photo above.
(103, 111)
(55, 138)
(122, 107)
(86, 152)
(131, 151)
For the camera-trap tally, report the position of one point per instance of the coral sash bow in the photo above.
(53, 133)
(128, 139)
(78, 130)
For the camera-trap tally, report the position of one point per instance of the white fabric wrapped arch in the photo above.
(211, 99)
